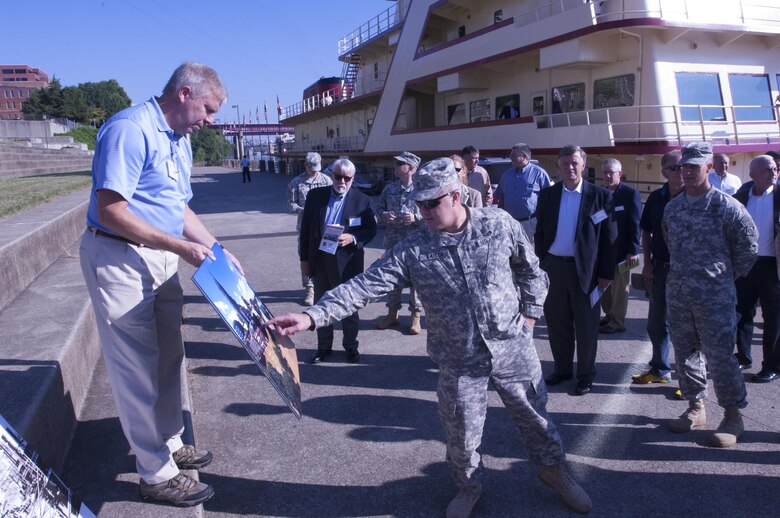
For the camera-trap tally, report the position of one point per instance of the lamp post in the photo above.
(239, 136)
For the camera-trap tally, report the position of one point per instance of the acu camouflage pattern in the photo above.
(299, 188)
(712, 241)
(475, 291)
(396, 198)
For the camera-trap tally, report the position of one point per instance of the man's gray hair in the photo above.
(672, 156)
(521, 149)
(571, 149)
(612, 164)
(344, 166)
(203, 81)
(761, 158)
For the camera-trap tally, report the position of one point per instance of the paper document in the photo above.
(596, 294)
(624, 266)
(330, 238)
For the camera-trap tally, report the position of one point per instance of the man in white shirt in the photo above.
(761, 283)
(720, 178)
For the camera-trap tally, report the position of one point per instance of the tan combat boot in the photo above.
(694, 417)
(309, 300)
(729, 430)
(571, 493)
(389, 321)
(414, 327)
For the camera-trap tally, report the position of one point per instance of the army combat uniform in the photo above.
(475, 287)
(297, 190)
(395, 198)
(712, 240)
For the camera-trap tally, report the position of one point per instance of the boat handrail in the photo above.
(382, 23)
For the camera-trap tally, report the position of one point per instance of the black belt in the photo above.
(99, 232)
(565, 259)
(766, 258)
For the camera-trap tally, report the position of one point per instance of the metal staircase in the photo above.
(349, 75)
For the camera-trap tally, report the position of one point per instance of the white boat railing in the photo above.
(382, 23)
(674, 123)
(723, 12)
(336, 144)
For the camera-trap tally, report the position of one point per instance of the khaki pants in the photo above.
(614, 302)
(138, 303)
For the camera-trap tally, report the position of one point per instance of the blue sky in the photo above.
(260, 48)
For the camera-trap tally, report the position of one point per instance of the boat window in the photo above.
(568, 98)
(700, 89)
(614, 91)
(751, 90)
(456, 113)
(480, 110)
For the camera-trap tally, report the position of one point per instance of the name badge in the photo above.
(354, 222)
(173, 171)
(619, 208)
(598, 217)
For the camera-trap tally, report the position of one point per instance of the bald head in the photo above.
(763, 171)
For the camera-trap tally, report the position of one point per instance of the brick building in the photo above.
(16, 83)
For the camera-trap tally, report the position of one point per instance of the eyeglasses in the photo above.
(458, 169)
(432, 204)
(674, 167)
(344, 178)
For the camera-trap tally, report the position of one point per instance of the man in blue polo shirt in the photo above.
(138, 226)
(519, 188)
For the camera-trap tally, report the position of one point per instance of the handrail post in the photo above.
(701, 123)
(676, 110)
(734, 121)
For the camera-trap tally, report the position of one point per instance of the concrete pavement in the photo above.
(370, 442)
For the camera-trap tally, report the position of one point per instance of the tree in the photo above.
(209, 146)
(46, 101)
(74, 106)
(107, 95)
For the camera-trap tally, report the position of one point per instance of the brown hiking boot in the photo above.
(182, 490)
(188, 457)
(694, 417)
(414, 327)
(729, 430)
(464, 502)
(309, 299)
(571, 493)
(390, 320)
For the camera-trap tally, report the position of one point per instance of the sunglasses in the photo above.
(432, 204)
(674, 167)
(343, 177)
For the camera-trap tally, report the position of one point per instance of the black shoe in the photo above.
(764, 376)
(583, 387)
(319, 356)
(745, 366)
(187, 457)
(555, 378)
(353, 356)
(604, 321)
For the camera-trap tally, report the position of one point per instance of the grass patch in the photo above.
(84, 134)
(18, 194)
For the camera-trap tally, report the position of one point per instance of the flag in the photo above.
(278, 106)
(265, 109)
(257, 114)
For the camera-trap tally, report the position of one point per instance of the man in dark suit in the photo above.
(336, 206)
(573, 239)
(625, 211)
(761, 283)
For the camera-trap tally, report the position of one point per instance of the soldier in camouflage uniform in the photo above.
(297, 190)
(482, 289)
(398, 211)
(712, 241)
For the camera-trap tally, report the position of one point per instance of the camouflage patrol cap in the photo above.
(435, 178)
(313, 161)
(697, 153)
(409, 158)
